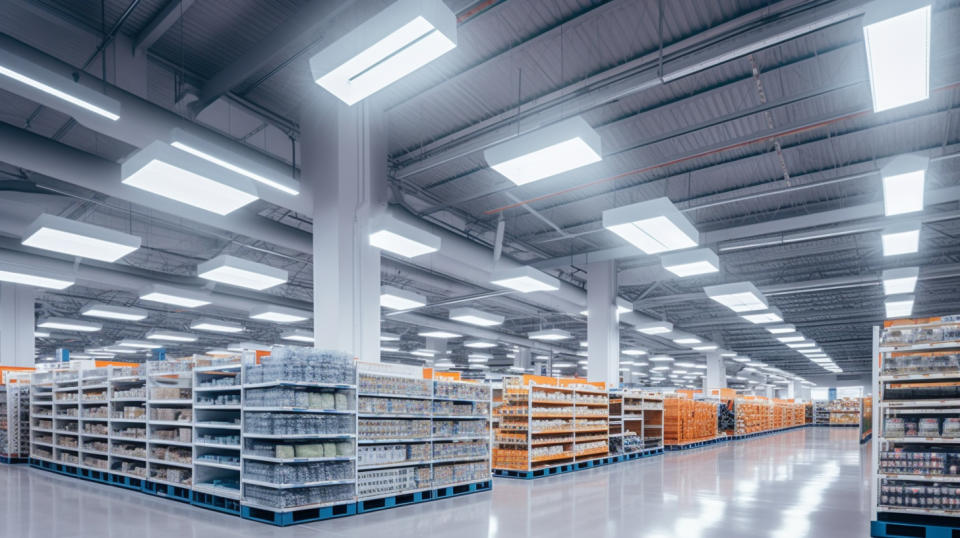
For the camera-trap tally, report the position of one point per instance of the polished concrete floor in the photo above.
(808, 482)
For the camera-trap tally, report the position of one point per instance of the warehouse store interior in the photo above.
(488, 268)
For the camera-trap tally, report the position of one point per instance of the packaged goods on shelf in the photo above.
(218, 399)
(390, 454)
(43, 424)
(459, 428)
(458, 473)
(94, 396)
(468, 449)
(393, 429)
(68, 412)
(461, 391)
(220, 381)
(170, 393)
(394, 406)
(904, 335)
(400, 386)
(176, 475)
(298, 473)
(69, 426)
(923, 463)
(96, 411)
(131, 393)
(687, 421)
(180, 435)
(130, 450)
(300, 397)
(95, 428)
(293, 497)
(45, 438)
(302, 365)
(40, 452)
(386, 481)
(95, 462)
(925, 362)
(171, 414)
(171, 453)
(297, 424)
(226, 439)
(134, 468)
(99, 446)
(452, 408)
(132, 412)
(907, 494)
(66, 441)
(221, 459)
(130, 432)
(70, 457)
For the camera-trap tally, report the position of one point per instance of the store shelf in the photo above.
(317, 385)
(920, 347)
(921, 477)
(296, 460)
(299, 410)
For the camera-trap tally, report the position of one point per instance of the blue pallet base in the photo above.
(695, 444)
(867, 438)
(215, 502)
(13, 460)
(888, 529)
(372, 505)
(177, 493)
(306, 515)
(579, 466)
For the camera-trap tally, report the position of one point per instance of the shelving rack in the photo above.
(128, 422)
(41, 416)
(419, 439)
(915, 486)
(66, 416)
(170, 426)
(95, 418)
(845, 412)
(15, 418)
(217, 423)
(546, 425)
(821, 413)
(688, 422)
(642, 421)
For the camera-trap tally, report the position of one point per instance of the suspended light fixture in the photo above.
(170, 336)
(903, 180)
(65, 324)
(897, 39)
(124, 313)
(159, 293)
(216, 326)
(525, 279)
(279, 314)
(560, 147)
(898, 306)
(395, 42)
(634, 352)
(139, 344)
(655, 327)
(699, 261)
(298, 335)
(737, 296)
(898, 281)
(477, 317)
(34, 276)
(180, 176)
(653, 226)
(41, 334)
(795, 338)
(422, 353)
(401, 238)
(686, 340)
(549, 335)
(398, 299)
(439, 334)
(81, 239)
(901, 238)
(242, 273)
(389, 337)
(479, 344)
(785, 328)
(771, 315)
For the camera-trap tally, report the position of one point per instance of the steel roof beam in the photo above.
(159, 25)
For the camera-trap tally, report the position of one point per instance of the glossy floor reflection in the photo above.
(808, 482)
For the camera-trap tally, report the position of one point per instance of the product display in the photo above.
(688, 421)
(15, 416)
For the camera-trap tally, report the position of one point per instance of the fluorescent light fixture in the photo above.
(388, 337)
(898, 306)
(40, 83)
(120, 350)
(395, 42)
(810, 351)
(741, 359)
(899, 281)
(823, 360)
(706, 347)
(902, 238)
(107, 311)
(41, 334)
(242, 273)
(698, 261)
(737, 296)
(771, 315)
(584, 343)
(795, 338)
(903, 180)
(655, 327)
(683, 364)
(802, 345)
(401, 238)
(33, 276)
(398, 299)
(139, 344)
(525, 279)
(279, 314)
(634, 352)
(478, 357)
(781, 329)
(216, 326)
(659, 368)
(81, 239)
(556, 148)
(177, 175)
(479, 344)
(475, 317)
(298, 335)
(65, 324)
(439, 334)
(686, 340)
(422, 353)
(171, 336)
(389, 349)
(208, 151)
(897, 39)
(661, 358)
(700, 367)
(727, 354)
(549, 335)
(653, 226)
(159, 293)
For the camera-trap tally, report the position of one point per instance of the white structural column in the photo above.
(344, 159)
(16, 324)
(524, 358)
(603, 328)
(716, 377)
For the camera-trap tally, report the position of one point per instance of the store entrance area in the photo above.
(807, 482)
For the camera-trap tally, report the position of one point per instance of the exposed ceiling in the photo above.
(773, 155)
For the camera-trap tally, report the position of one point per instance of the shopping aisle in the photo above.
(807, 482)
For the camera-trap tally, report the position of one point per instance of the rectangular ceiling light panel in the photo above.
(699, 261)
(279, 314)
(398, 299)
(686, 340)
(242, 273)
(474, 316)
(898, 306)
(74, 238)
(438, 334)
(170, 336)
(36, 83)
(897, 38)
(159, 293)
(785, 328)
(65, 324)
(180, 176)
(545, 152)
(655, 327)
(898, 281)
(225, 158)
(737, 296)
(653, 226)
(787, 339)
(107, 311)
(216, 326)
(766, 316)
(401, 238)
(525, 279)
(902, 238)
(903, 180)
(34, 276)
(549, 335)
(479, 344)
(402, 38)
(298, 335)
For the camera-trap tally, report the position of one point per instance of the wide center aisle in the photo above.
(805, 482)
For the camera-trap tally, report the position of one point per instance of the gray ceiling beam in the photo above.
(159, 25)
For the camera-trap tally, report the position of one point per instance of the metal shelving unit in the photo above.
(41, 416)
(66, 416)
(95, 418)
(917, 447)
(217, 423)
(127, 395)
(15, 417)
(170, 422)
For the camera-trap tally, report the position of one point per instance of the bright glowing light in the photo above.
(113, 312)
(242, 273)
(74, 238)
(546, 152)
(398, 299)
(898, 53)
(653, 226)
(737, 296)
(900, 239)
(898, 281)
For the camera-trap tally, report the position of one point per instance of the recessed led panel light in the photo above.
(65, 324)
(727, 354)
(741, 359)
(549, 335)
(395, 42)
(766, 316)
(398, 299)
(279, 314)
(903, 180)
(525, 279)
(159, 293)
(545, 152)
(171, 336)
(41, 334)
(787, 339)
(898, 281)
(897, 39)
(242, 273)
(216, 326)
(898, 306)
(698, 261)
(781, 329)
(802, 345)
(439, 334)
(479, 344)
(653, 226)
(140, 344)
(705, 347)
(902, 238)
(401, 238)
(33, 276)
(811, 351)
(298, 335)
(686, 340)
(634, 352)
(106, 311)
(655, 327)
(737, 296)
(177, 175)
(81, 239)
(422, 353)
(661, 358)
(474, 316)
